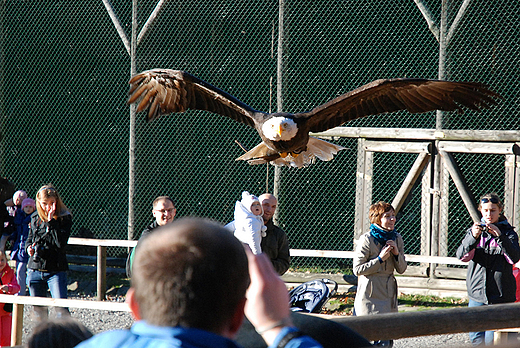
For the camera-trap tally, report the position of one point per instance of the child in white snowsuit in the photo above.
(248, 225)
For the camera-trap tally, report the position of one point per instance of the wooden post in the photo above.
(444, 187)
(516, 206)
(436, 208)
(17, 325)
(509, 188)
(363, 188)
(426, 208)
(101, 272)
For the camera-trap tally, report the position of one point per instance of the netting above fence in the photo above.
(63, 87)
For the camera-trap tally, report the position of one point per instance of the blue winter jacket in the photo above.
(22, 224)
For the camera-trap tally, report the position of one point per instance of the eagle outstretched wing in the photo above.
(388, 95)
(165, 91)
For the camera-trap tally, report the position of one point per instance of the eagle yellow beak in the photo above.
(279, 130)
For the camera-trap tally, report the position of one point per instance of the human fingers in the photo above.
(493, 230)
(393, 246)
(267, 305)
(385, 252)
(476, 230)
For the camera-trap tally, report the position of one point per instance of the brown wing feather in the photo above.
(413, 95)
(165, 91)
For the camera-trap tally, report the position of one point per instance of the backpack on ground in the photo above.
(312, 295)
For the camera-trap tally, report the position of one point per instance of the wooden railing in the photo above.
(20, 301)
(102, 244)
(372, 327)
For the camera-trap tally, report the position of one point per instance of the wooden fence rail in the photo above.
(433, 322)
(372, 327)
(19, 302)
(102, 244)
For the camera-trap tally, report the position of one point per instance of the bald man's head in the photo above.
(269, 203)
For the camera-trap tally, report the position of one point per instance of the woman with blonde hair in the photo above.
(48, 236)
(378, 253)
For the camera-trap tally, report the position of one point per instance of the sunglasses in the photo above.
(487, 200)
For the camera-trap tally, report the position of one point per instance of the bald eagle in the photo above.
(285, 136)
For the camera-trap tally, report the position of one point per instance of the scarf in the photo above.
(381, 235)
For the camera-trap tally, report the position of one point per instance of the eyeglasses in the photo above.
(164, 211)
(492, 200)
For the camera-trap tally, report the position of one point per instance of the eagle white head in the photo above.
(280, 128)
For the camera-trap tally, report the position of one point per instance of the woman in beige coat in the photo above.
(378, 253)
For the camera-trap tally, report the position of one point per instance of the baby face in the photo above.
(256, 208)
(28, 209)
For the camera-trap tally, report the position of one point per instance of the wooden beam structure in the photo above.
(421, 134)
(391, 326)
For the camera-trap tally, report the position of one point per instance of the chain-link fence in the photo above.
(64, 119)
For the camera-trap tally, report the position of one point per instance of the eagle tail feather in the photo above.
(316, 148)
(322, 149)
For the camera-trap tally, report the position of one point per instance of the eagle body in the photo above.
(285, 136)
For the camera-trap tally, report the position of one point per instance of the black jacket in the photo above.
(276, 245)
(130, 257)
(490, 277)
(52, 238)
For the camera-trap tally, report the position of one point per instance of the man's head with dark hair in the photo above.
(59, 333)
(191, 273)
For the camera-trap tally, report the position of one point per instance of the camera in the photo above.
(483, 228)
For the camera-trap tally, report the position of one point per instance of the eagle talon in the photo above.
(284, 154)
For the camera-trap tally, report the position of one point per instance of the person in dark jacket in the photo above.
(22, 224)
(275, 243)
(48, 237)
(491, 247)
(164, 211)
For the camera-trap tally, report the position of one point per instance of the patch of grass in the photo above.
(343, 303)
(430, 301)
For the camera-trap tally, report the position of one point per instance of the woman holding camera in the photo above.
(491, 247)
(48, 236)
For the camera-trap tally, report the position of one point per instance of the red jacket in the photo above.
(8, 278)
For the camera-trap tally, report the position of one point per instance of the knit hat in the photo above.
(248, 200)
(28, 201)
(20, 194)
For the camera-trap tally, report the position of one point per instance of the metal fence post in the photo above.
(131, 145)
(279, 98)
